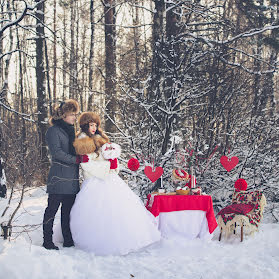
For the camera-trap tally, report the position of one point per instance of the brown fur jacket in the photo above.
(86, 145)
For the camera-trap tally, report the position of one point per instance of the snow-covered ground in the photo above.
(23, 257)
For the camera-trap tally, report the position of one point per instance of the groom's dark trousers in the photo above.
(54, 201)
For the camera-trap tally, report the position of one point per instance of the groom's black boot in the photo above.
(50, 246)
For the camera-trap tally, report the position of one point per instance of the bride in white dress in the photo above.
(107, 218)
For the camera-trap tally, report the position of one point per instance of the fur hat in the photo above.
(69, 106)
(89, 117)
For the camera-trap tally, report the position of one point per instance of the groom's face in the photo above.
(70, 118)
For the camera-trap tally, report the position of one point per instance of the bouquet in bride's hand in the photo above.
(111, 151)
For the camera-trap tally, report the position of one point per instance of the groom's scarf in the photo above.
(70, 130)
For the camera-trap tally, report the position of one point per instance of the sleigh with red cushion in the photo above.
(245, 211)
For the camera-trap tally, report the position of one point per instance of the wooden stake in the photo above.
(220, 236)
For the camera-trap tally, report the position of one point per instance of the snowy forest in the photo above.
(177, 83)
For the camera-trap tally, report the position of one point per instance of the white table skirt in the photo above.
(189, 224)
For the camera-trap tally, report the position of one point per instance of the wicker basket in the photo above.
(183, 192)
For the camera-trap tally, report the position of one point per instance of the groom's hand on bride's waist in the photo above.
(82, 159)
(113, 164)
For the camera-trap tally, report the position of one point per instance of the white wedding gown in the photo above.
(108, 218)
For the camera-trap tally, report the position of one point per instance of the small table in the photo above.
(190, 216)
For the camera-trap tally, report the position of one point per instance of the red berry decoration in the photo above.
(240, 184)
(133, 164)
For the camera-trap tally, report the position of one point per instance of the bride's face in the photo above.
(92, 128)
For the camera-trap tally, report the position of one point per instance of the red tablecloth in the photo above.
(165, 203)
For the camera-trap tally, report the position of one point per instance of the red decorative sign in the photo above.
(153, 175)
(227, 163)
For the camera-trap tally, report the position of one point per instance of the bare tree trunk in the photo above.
(3, 188)
(172, 21)
(54, 56)
(48, 78)
(1, 46)
(22, 109)
(256, 83)
(76, 57)
(41, 90)
(157, 39)
(4, 89)
(268, 95)
(82, 94)
(65, 65)
(158, 21)
(91, 56)
(170, 90)
(110, 64)
(136, 39)
(72, 53)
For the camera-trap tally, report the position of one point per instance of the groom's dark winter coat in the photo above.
(63, 184)
(63, 176)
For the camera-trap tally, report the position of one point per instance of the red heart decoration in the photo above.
(153, 175)
(227, 163)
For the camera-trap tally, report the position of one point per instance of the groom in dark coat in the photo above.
(63, 178)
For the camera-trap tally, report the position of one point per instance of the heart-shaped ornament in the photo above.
(153, 175)
(227, 163)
